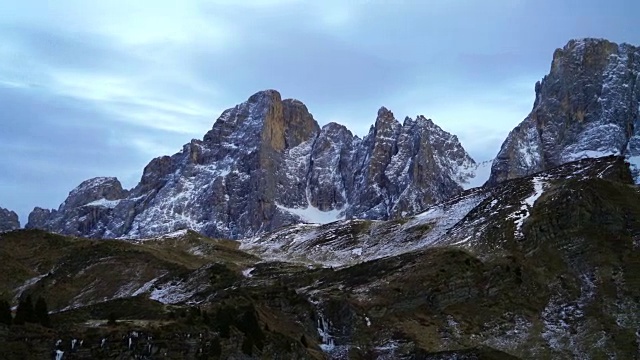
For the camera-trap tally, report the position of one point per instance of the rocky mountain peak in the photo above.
(334, 127)
(382, 144)
(8, 220)
(422, 119)
(383, 112)
(385, 118)
(268, 95)
(263, 120)
(386, 128)
(408, 121)
(587, 52)
(40, 218)
(429, 125)
(299, 123)
(587, 106)
(245, 120)
(107, 188)
(85, 211)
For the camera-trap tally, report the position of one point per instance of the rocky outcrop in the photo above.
(407, 167)
(588, 106)
(266, 163)
(40, 218)
(8, 220)
(86, 211)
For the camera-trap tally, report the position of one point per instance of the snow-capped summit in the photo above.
(266, 163)
(588, 106)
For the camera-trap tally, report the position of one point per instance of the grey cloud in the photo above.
(53, 51)
(305, 66)
(52, 143)
(73, 51)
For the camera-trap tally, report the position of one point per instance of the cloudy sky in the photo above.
(99, 88)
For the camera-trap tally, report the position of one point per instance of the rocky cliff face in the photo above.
(8, 220)
(266, 163)
(586, 107)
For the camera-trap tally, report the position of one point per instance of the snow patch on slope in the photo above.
(147, 286)
(592, 154)
(443, 217)
(247, 272)
(172, 293)
(171, 235)
(520, 215)
(313, 215)
(538, 189)
(27, 284)
(109, 204)
(478, 175)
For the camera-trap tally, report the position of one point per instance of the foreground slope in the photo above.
(539, 267)
(151, 287)
(76, 272)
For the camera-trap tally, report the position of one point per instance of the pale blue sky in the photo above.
(99, 88)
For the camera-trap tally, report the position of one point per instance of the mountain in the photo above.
(266, 163)
(8, 220)
(408, 260)
(588, 106)
(539, 267)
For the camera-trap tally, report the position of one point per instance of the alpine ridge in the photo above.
(587, 106)
(266, 163)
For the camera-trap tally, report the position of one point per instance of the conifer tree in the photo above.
(25, 312)
(112, 320)
(5, 313)
(42, 312)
